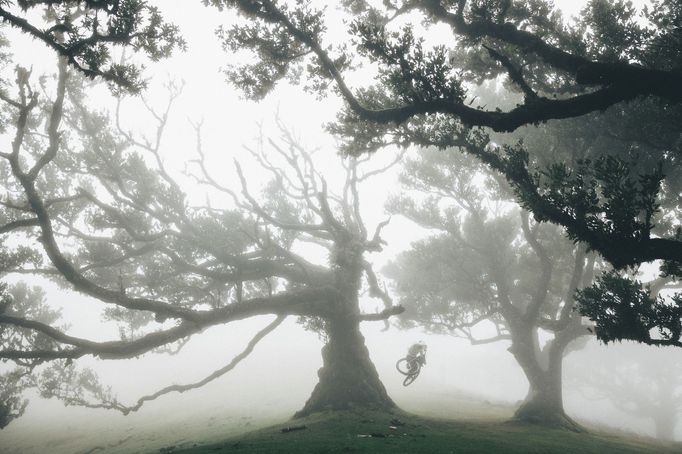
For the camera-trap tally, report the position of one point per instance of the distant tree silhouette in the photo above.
(641, 381)
(487, 264)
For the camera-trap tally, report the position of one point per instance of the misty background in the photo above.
(275, 380)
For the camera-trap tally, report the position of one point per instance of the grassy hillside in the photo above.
(372, 432)
(438, 422)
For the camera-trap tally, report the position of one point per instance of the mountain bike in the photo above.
(410, 367)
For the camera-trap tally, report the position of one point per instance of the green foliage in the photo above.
(605, 193)
(278, 52)
(600, 199)
(317, 325)
(623, 310)
(409, 72)
(612, 179)
(22, 301)
(666, 39)
(12, 406)
(86, 31)
(612, 30)
(64, 381)
(443, 285)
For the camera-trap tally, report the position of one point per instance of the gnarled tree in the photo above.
(103, 215)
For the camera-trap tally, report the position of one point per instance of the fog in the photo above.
(460, 381)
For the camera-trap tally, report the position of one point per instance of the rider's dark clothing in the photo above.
(416, 357)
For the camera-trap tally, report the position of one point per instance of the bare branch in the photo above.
(309, 302)
(375, 291)
(546, 265)
(621, 81)
(514, 74)
(19, 224)
(399, 157)
(258, 209)
(217, 374)
(489, 340)
(376, 242)
(108, 350)
(353, 175)
(53, 124)
(208, 179)
(383, 315)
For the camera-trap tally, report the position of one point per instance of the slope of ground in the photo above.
(400, 432)
(435, 421)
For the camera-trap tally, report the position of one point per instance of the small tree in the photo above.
(488, 265)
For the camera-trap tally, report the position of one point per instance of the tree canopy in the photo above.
(99, 211)
(86, 32)
(420, 89)
(562, 69)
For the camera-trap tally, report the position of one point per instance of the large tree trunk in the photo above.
(544, 403)
(348, 378)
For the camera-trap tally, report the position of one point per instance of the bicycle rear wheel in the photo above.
(410, 379)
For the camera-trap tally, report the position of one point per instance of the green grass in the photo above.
(342, 432)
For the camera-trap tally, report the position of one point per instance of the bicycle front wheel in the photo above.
(401, 366)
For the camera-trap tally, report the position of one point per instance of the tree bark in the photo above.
(348, 378)
(544, 403)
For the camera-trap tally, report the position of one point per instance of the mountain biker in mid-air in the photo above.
(416, 356)
(411, 365)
